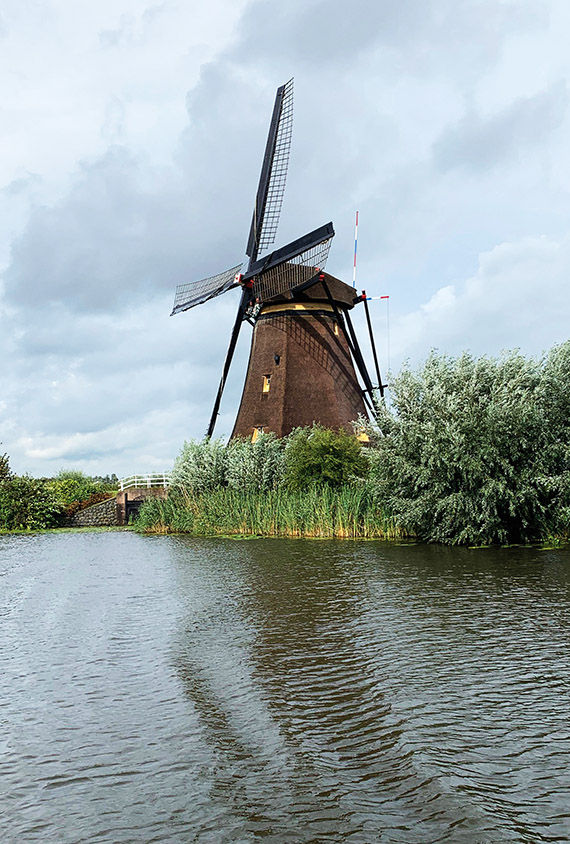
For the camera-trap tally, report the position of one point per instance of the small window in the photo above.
(266, 383)
(256, 432)
(336, 328)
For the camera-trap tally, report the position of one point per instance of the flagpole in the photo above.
(355, 248)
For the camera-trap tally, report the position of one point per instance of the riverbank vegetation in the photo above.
(477, 450)
(347, 512)
(468, 450)
(28, 503)
(303, 485)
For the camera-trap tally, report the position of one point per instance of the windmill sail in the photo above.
(196, 292)
(271, 188)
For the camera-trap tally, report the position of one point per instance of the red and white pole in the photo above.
(355, 248)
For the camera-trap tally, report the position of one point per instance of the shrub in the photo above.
(72, 486)
(4, 467)
(320, 455)
(255, 466)
(208, 464)
(200, 466)
(27, 504)
(477, 451)
(76, 506)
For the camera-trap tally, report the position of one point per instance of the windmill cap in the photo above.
(343, 294)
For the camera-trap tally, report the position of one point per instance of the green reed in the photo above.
(347, 512)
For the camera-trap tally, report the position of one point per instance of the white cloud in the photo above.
(516, 299)
(133, 145)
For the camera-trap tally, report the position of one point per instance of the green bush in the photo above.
(27, 504)
(242, 465)
(320, 455)
(200, 466)
(4, 467)
(255, 466)
(477, 451)
(72, 486)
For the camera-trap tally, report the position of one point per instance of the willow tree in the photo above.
(477, 450)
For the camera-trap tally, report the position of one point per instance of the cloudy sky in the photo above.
(132, 135)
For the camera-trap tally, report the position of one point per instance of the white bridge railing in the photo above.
(148, 480)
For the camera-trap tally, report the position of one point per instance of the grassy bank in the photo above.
(93, 529)
(347, 512)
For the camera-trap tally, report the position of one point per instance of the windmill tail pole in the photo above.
(352, 342)
(359, 358)
(373, 344)
(368, 399)
(227, 363)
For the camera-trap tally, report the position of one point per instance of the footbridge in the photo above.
(120, 509)
(134, 489)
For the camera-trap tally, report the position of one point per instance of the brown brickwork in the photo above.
(135, 495)
(299, 346)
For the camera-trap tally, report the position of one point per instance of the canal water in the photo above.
(173, 689)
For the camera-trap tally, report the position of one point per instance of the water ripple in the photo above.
(165, 689)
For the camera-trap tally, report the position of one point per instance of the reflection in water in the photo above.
(327, 672)
(173, 689)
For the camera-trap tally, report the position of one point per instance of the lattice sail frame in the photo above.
(279, 168)
(197, 292)
(292, 273)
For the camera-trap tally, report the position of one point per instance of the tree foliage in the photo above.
(35, 503)
(242, 465)
(27, 504)
(72, 486)
(321, 456)
(201, 466)
(477, 451)
(257, 466)
(313, 455)
(4, 467)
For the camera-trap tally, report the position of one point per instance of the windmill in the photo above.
(303, 346)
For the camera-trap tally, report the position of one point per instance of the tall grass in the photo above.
(347, 512)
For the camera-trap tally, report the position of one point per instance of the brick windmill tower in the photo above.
(304, 348)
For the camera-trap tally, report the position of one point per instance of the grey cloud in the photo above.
(60, 340)
(319, 42)
(121, 234)
(228, 117)
(89, 284)
(333, 33)
(20, 186)
(155, 11)
(74, 252)
(477, 143)
(124, 232)
(123, 32)
(81, 373)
